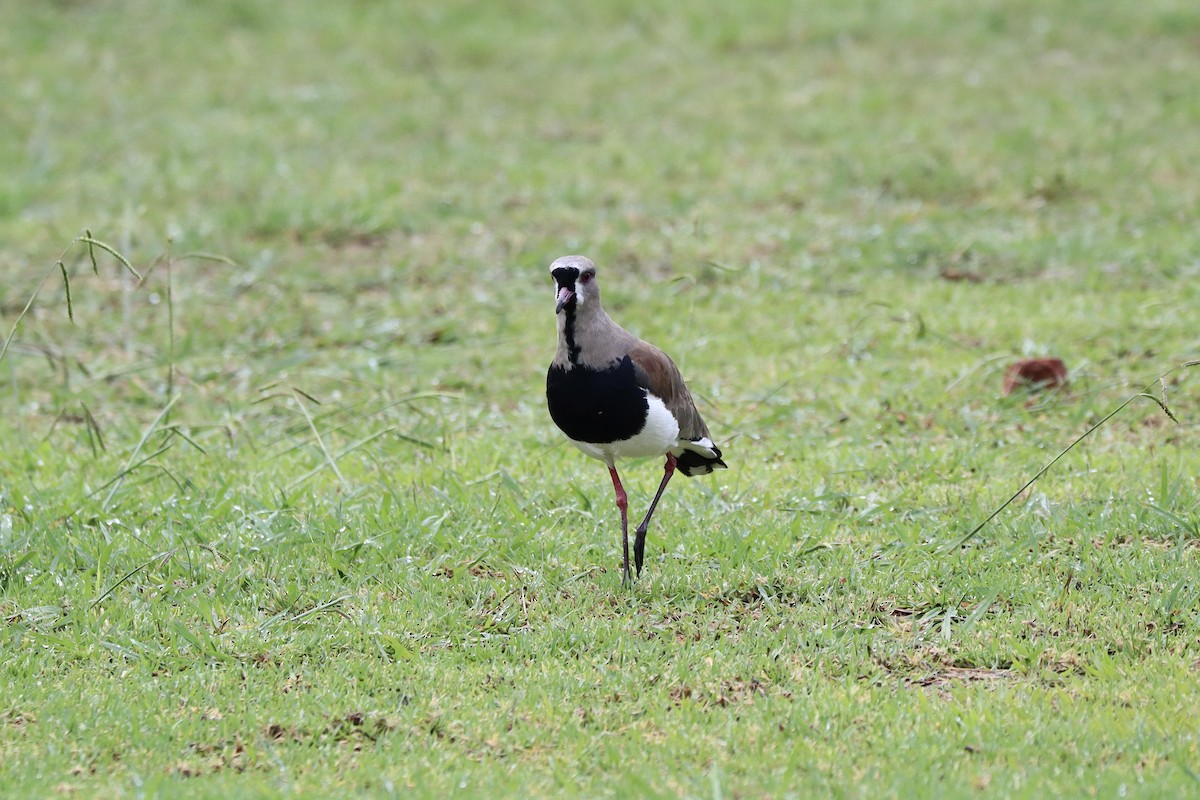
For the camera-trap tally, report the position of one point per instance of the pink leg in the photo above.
(623, 504)
(639, 542)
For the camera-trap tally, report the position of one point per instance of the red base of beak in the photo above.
(565, 296)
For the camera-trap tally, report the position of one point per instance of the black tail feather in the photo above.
(691, 463)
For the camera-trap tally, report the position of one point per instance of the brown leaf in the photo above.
(1035, 374)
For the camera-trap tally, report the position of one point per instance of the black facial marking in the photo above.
(565, 276)
(569, 331)
(597, 406)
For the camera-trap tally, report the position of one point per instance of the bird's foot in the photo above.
(639, 549)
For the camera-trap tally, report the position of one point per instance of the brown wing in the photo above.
(657, 373)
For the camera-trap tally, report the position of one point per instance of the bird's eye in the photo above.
(585, 277)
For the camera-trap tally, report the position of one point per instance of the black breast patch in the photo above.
(597, 406)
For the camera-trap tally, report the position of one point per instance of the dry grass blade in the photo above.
(1144, 393)
(329, 459)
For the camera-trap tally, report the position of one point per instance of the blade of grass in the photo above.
(1143, 393)
(67, 288)
(95, 437)
(129, 464)
(130, 574)
(344, 452)
(60, 265)
(329, 459)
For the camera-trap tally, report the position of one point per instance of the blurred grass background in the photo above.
(288, 514)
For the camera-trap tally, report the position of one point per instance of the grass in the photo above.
(287, 516)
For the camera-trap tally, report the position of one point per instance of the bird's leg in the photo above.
(639, 542)
(623, 504)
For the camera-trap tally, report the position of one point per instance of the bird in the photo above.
(615, 396)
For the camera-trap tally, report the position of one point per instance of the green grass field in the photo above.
(288, 516)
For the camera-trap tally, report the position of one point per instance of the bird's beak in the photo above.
(565, 295)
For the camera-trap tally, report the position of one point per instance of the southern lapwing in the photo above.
(615, 396)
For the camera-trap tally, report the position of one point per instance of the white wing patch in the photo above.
(703, 446)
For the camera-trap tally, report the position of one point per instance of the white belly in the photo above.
(657, 436)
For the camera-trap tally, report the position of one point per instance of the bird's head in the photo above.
(574, 283)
